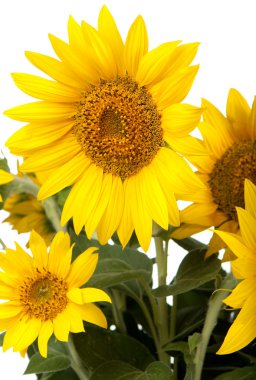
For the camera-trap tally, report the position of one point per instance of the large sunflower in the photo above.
(106, 124)
(43, 293)
(230, 157)
(242, 331)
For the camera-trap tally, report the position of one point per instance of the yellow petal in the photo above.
(46, 89)
(61, 326)
(104, 58)
(60, 255)
(153, 65)
(175, 88)
(234, 243)
(44, 335)
(9, 309)
(125, 228)
(5, 177)
(250, 197)
(91, 313)
(217, 143)
(39, 250)
(180, 119)
(241, 293)
(82, 268)
(76, 322)
(182, 57)
(52, 156)
(54, 69)
(186, 230)
(136, 46)
(38, 111)
(64, 176)
(141, 218)
(100, 205)
(247, 226)
(154, 196)
(242, 331)
(88, 295)
(238, 112)
(211, 115)
(111, 218)
(73, 61)
(251, 128)
(37, 135)
(22, 335)
(109, 33)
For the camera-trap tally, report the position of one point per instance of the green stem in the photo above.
(76, 362)
(163, 325)
(52, 211)
(2, 244)
(173, 333)
(151, 299)
(215, 305)
(148, 317)
(117, 306)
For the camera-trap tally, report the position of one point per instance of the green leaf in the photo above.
(53, 363)
(117, 370)
(190, 244)
(193, 272)
(99, 345)
(193, 341)
(157, 370)
(188, 357)
(67, 374)
(246, 373)
(116, 265)
(111, 272)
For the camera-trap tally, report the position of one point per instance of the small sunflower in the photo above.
(242, 331)
(109, 124)
(43, 293)
(230, 157)
(5, 177)
(26, 213)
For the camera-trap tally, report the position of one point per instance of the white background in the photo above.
(225, 28)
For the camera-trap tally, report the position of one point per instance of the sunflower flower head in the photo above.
(42, 293)
(105, 124)
(242, 331)
(230, 158)
(26, 212)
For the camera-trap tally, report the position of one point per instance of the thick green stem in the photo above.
(117, 307)
(172, 334)
(76, 362)
(163, 325)
(215, 305)
(52, 211)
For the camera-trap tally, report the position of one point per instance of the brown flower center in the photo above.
(227, 178)
(44, 296)
(118, 126)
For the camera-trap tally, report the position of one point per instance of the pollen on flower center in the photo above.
(43, 296)
(118, 126)
(227, 178)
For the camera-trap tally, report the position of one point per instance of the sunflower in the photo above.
(230, 157)
(5, 177)
(44, 295)
(109, 125)
(26, 213)
(242, 331)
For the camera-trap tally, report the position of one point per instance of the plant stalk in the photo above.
(76, 362)
(163, 325)
(215, 305)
